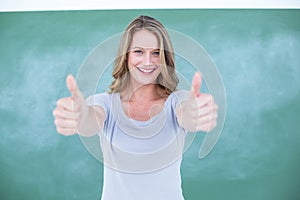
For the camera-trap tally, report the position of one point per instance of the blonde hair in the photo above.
(167, 79)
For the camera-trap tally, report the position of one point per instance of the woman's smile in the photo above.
(146, 70)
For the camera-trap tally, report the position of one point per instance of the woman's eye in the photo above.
(138, 51)
(156, 53)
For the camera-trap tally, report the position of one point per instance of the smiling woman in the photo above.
(255, 51)
(143, 121)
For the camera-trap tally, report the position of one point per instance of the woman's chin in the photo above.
(145, 81)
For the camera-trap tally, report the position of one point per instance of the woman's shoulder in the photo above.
(100, 98)
(180, 95)
(103, 95)
(176, 97)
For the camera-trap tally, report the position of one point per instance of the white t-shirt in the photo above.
(141, 158)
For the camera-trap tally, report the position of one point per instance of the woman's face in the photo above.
(143, 57)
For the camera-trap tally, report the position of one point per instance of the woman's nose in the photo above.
(147, 59)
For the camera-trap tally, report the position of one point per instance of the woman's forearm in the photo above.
(92, 122)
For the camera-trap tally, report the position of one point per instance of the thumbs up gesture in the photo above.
(199, 112)
(70, 111)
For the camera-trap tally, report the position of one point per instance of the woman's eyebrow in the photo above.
(136, 48)
(154, 49)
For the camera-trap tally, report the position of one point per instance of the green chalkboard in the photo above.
(257, 54)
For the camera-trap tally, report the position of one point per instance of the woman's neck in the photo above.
(142, 93)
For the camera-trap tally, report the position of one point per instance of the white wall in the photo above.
(29, 5)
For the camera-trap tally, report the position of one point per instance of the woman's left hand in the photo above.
(199, 112)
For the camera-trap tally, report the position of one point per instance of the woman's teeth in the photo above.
(145, 70)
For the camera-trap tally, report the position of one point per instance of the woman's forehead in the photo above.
(144, 39)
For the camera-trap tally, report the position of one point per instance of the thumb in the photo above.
(73, 87)
(196, 85)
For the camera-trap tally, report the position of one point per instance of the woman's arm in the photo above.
(73, 115)
(199, 112)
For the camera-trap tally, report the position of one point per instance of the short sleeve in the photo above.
(176, 98)
(103, 100)
(180, 96)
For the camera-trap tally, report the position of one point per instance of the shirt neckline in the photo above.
(136, 128)
(139, 122)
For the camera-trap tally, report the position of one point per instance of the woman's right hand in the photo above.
(70, 112)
